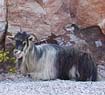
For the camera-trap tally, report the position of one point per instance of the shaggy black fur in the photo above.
(83, 62)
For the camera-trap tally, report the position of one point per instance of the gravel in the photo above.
(18, 85)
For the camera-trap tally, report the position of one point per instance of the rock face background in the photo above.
(38, 16)
(90, 12)
(43, 17)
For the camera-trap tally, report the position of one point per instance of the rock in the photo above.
(45, 16)
(90, 12)
(101, 71)
(40, 17)
(2, 26)
(2, 15)
(2, 10)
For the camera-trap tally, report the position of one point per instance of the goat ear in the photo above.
(31, 38)
(10, 37)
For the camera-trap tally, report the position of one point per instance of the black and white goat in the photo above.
(50, 61)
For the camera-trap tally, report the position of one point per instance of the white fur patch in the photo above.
(19, 54)
(72, 73)
(71, 29)
(48, 61)
(43, 68)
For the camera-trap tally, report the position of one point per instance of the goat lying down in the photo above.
(50, 61)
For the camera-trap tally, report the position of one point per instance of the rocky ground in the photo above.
(24, 86)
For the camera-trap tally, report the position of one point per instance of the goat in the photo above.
(51, 61)
(93, 35)
(92, 30)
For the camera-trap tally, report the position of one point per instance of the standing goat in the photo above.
(50, 61)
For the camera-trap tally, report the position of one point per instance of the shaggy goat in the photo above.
(90, 29)
(50, 61)
(90, 33)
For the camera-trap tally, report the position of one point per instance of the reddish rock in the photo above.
(40, 17)
(90, 12)
(45, 16)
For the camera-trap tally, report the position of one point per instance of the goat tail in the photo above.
(88, 67)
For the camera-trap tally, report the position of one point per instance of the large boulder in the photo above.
(38, 16)
(90, 12)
